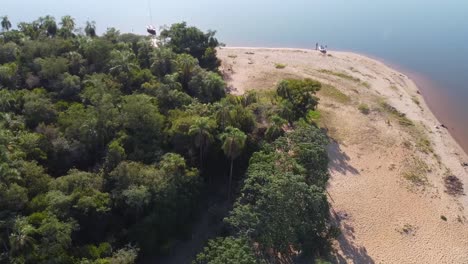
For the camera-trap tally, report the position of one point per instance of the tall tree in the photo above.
(90, 29)
(68, 25)
(49, 25)
(186, 65)
(21, 239)
(223, 112)
(233, 144)
(6, 24)
(202, 130)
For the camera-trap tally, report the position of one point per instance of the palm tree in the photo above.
(233, 144)
(275, 129)
(202, 131)
(32, 30)
(68, 25)
(6, 24)
(48, 23)
(223, 112)
(185, 67)
(76, 61)
(90, 29)
(122, 61)
(21, 241)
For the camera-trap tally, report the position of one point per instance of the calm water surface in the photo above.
(427, 39)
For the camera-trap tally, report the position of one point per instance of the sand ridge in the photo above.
(387, 187)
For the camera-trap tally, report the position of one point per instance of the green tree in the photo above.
(38, 108)
(32, 30)
(227, 250)
(191, 40)
(51, 67)
(233, 143)
(115, 154)
(54, 239)
(34, 177)
(126, 255)
(162, 61)
(275, 129)
(144, 50)
(21, 239)
(112, 35)
(224, 113)
(309, 145)
(15, 36)
(97, 52)
(207, 86)
(8, 52)
(76, 62)
(68, 86)
(90, 29)
(68, 26)
(8, 74)
(122, 61)
(202, 131)
(49, 25)
(299, 95)
(6, 24)
(186, 66)
(84, 192)
(143, 124)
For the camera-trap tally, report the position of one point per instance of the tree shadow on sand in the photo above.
(346, 250)
(339, 160)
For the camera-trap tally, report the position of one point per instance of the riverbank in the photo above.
(390, 156)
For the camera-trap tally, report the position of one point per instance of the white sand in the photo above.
(371, 200)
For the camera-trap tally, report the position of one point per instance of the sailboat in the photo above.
(151, 30)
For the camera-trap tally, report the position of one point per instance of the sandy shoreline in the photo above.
(387, 186)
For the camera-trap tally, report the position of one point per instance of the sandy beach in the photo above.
(395, 171)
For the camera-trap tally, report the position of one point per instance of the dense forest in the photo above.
(110, 145)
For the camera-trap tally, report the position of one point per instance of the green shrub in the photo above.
(280, 66)
(364, 108)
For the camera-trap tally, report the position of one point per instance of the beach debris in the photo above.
(250, 53)
(418, 92)
(464, 164)
(442, 125)
(408, 229)
(454, 185)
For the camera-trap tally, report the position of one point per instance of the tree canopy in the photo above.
(111, 149)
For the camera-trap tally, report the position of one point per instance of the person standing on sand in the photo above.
(316, 46)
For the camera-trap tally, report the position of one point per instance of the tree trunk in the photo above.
(201, 157)
(230, 181)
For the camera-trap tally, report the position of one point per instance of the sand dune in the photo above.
(387, 187)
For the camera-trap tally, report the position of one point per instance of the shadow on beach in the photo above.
(339, 160)
(346, 250)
